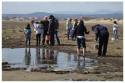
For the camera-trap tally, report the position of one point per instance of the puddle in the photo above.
(50, 59)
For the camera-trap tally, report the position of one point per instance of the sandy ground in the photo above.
(35, 76)
(16, 40)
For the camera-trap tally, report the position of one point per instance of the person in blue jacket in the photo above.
(102, 33)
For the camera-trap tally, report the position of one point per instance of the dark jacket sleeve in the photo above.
(96, 33)
(86, 30)
(50, 27)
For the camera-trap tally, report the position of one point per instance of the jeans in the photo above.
(57, 38)
(52, 39)
(38, 38)
(103, 42)
(81, 41)
(27, 39)
(43, 39)
(115, 34)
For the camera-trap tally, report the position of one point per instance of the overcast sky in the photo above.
(50, 7)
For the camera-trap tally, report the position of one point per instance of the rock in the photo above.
(4, 63)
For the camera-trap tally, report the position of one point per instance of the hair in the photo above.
(115, 22)
(28, 26)
(32, 21)
(51, 17)
(81, 23)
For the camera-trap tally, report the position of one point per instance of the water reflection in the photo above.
(81, 62)
(27, 57)
(38, 57)
(45, 56)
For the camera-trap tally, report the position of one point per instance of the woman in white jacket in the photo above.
(38, 30)
(115, 29)
(68, 27)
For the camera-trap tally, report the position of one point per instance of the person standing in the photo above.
(74, 25)
(80, 38)
(27, 33)
(56, 30)
(102, 33)
(115, 29)
(51, 30)
(38, 32)
(68, 27)
(46, 25)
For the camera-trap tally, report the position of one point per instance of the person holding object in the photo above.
(68, 27)
(46, 25)
(27, 33)
(102, 33)
(115, 29)
(80, 38)
(38, 30)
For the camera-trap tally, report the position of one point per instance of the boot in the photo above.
(67, 37)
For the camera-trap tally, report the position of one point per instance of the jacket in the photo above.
(80, 30)
(27, 32)
(46, 25)
(100, 31)
(51, 28)
(37, 28)
(68, 25)
(115, 27)
(56, 23)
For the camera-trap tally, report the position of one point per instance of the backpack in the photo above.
(101, 32)
(56, 24)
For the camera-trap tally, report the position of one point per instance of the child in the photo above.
(27, 34)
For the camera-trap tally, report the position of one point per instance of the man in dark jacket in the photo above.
(102, 33)
(51, 30)
(56, 29)
(46, 25)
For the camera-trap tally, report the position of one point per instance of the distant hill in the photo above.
(100, 14)
(102, 11)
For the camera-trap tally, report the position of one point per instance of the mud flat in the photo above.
(114, 54)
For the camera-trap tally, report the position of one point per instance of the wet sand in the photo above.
(38, 76)
(16, 40)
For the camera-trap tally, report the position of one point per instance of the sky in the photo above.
(26, 7)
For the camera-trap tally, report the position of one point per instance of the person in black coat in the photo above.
(51, 30)
(80, 38)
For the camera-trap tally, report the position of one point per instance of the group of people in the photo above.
(101, 33)
(44, 27)
(78, 30)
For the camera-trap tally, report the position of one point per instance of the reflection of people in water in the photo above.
(68, 56)
(51, 54)
(38, 58)
(55, 56)
(81, 63)
(47, 55)
(27, 57)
